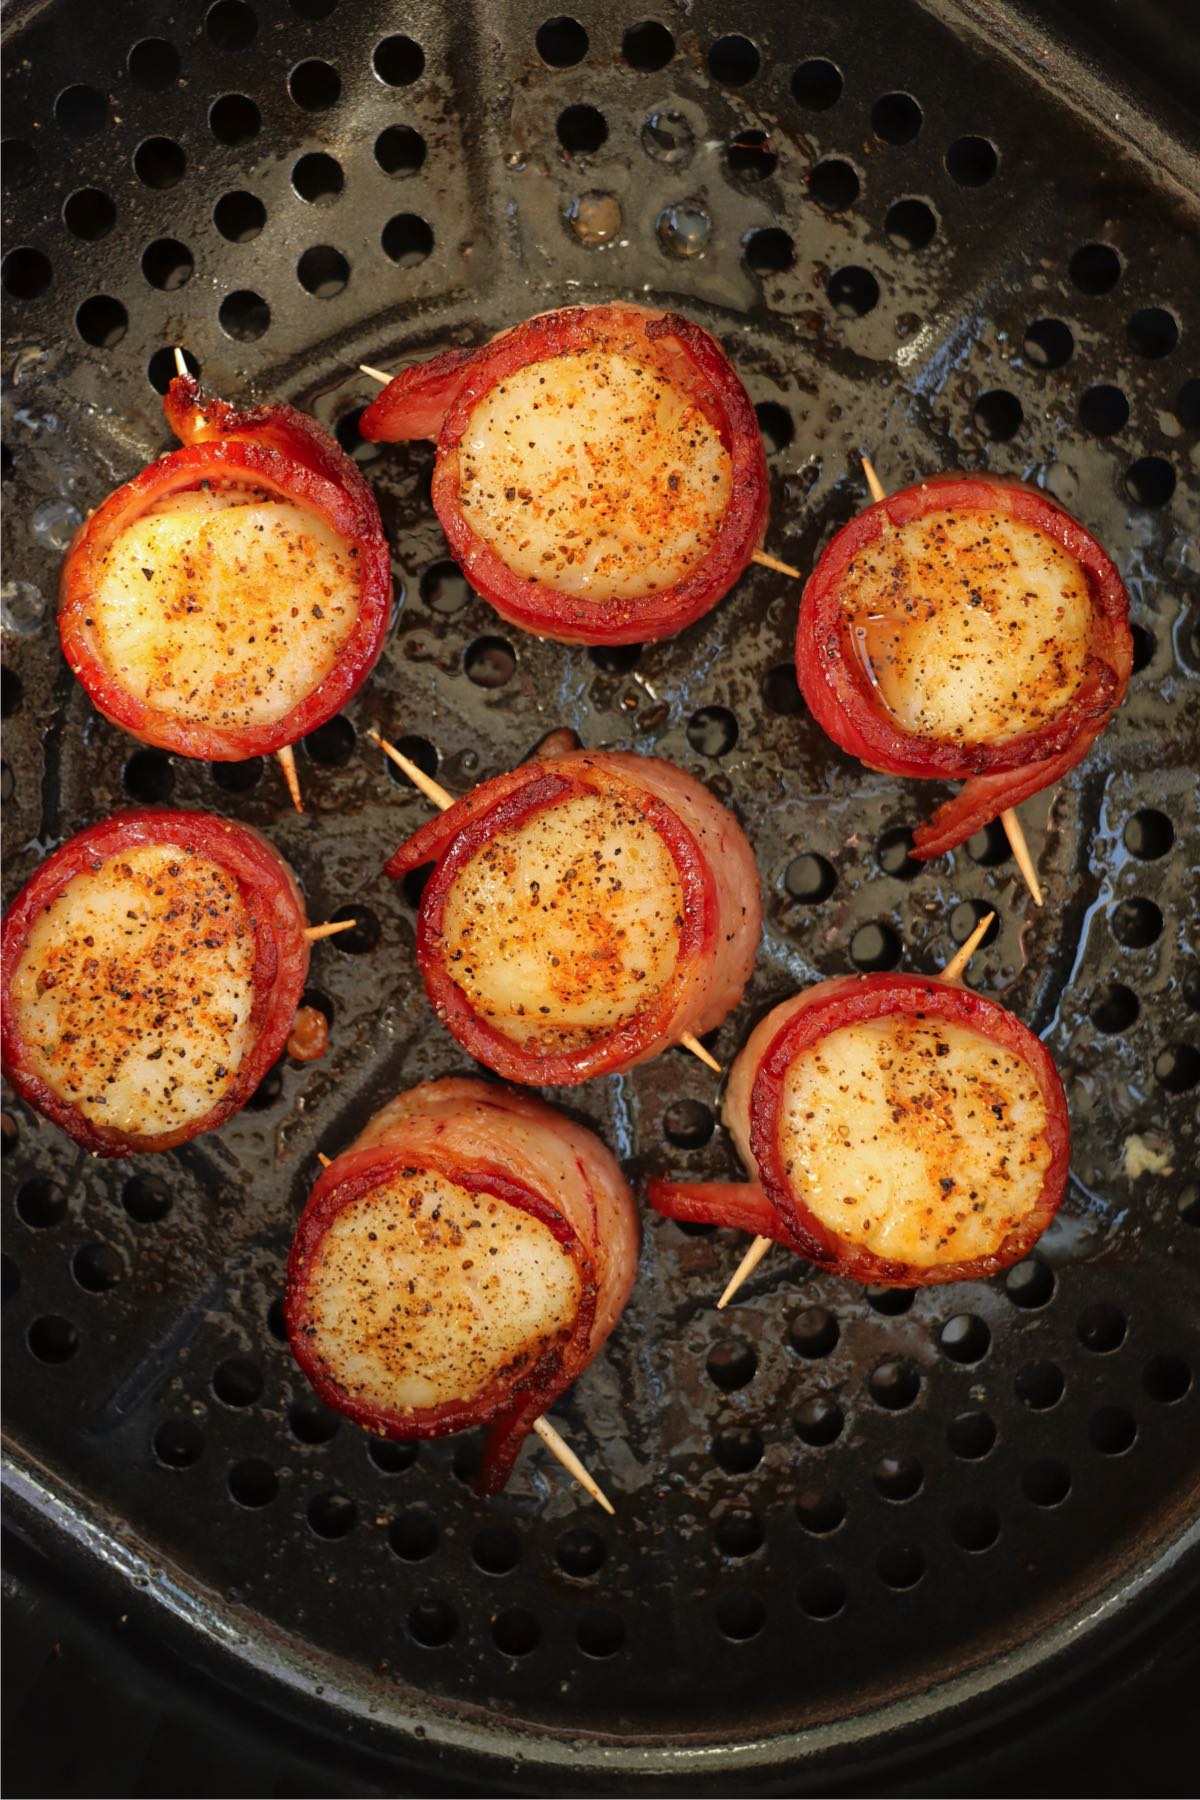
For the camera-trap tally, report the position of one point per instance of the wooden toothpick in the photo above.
(324, 1160)
(286, 758)
(181, 367)
(758, 1249)
(1008, 818)
(558, 1446)
(314, 933)
(375, 374)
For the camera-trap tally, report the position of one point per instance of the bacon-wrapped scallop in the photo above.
(584, 913)
(899, 1129)
(600, 476)
(152, 969)
(965, 629)
(234, 595)
(460, 1264)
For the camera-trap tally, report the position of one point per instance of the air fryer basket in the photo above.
(847, 1520)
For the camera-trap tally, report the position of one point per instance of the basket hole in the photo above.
(775, 424)
(820, 1511)
(648, 46)
(318, 178)
(1101, 1328)
(819, 1421)
(11, 1277)
(89, 214)
(989, 847)
(244, 316)
(239, 216)
(12, 692)
(898, 1478)
(237, 777)
(230, 25)
(365, 935)
(814, 1332)
(1095, 268)
(731, 1366)
(418, 750)
(1103, 410)
(967, 915)
(41, 1203)
(332, 1515)
(237, 1381)
(688, 1124)
(810, 878)
(600, 1634)
(1039, 1385)
(975, 1526)
(896, 118)
(751, 157)
(616, 659)
(516, 1632)
(971, 1435)
(911, 224)
(400, 150)
(153, 64)
(444, 588)
(146, 1198)
(739, 1533)
(875, 947)
(965, 1338)
(972, 161)
(817, 84)
(332, 743)
(770, 251)
(1177, 1068)
(893, 853)
(1112, 1431)
(713, 731)
(167, 264)
(415, 881)
(1049, 343)
(159, 162)
(81, 111)
(98, 1268)
(323, 271)
(1188, 1204)
(351, 439)
(1166, 1379)
(1187, 405)
(1144, 646)
(234, 119)
(1114, 1007)
(407, 240)
(834, 184)
(314, 85)
(1046, 1482)
(1150, 481)
(581, 129)
(398, 60)
(268, 1091)
(900, 1566)
(413, 1535)
(253, 1482)
(740, 1616)
(733, 60)
(178, 1443)
(312, 1423)
(738, 1449)
(102, 321)
(53, 1339)
(1149, 834)
(561, 42)
(490, 662)
(853, 292)
(392, 1455)
(667, 137)
(895, 1384)
(1030, 1283)
(1153, 331)
(277, 1320)
(781, 691)
(821, 1594)
(998, 415)
(432, 1623)
(160, 370)
(891, 1302)
(496, 1549)
(27, 272)
(580, 1553)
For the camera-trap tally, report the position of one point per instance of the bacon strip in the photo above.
(438, 397)
(772, 1203)
(275, 910)
(513, 1147)
(271, 447)
(718, 935)
(997, 775)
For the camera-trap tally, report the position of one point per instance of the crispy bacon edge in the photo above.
(509, 1405)
(274, 447)
(281, 956)
(452, 839)
(842, 700)
(772, 1206)
(438, 397)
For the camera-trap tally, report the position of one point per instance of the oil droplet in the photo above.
(54, 523)
(684, 229)
(22, 607)
(595, 218)
(668, 138)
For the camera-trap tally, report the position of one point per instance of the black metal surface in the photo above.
(849, 1523)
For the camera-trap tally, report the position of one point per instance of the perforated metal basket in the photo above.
(851, 1524)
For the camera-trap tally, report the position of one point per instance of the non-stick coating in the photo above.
(830, 1502)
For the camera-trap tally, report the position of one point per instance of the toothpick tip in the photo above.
(697, 1049)
(325, 1161)
(878, 491)
(375, 374)
(181, 367)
